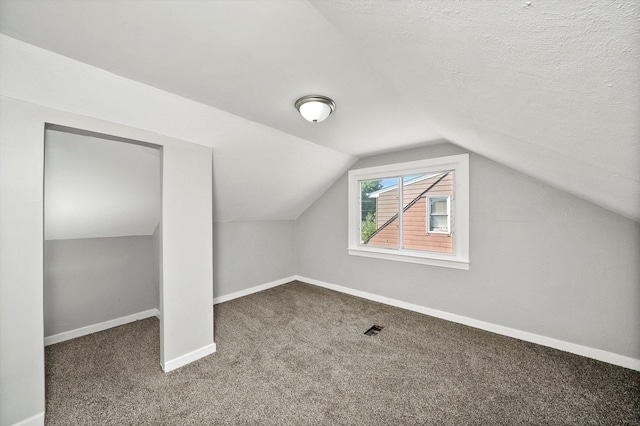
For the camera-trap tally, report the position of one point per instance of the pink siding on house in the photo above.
(387, 206)
(415, 235)
(387, 237)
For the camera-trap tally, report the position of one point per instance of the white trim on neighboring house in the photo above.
(83, 331)
(448, 198)
(598, 354)
(377, 193)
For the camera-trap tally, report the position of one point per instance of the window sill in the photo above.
(445, 261)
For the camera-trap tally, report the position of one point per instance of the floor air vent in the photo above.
(374, 330)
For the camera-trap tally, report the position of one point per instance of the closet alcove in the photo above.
(102, 232)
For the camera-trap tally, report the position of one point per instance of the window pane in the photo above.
(439, 223)
(379, 213)
(417, 191)
(438, 206)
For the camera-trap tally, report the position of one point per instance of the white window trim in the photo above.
(459, 164)
(428, 200)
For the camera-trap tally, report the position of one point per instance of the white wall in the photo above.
(248, 254)
(542, 261)
(21, 265)
(92, 280)
(186, 295)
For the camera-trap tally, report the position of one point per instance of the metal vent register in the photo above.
(375, 329)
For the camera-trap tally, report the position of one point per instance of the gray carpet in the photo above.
(296, 354)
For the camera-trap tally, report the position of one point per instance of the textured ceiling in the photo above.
(550, 88)
(250, 58)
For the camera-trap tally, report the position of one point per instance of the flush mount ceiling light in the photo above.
(315, 108)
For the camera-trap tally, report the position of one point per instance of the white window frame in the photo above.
(459, 164)
(428, 200)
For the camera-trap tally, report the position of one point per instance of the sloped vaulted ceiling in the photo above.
(99, 188)
(546, 87)
(550, 88)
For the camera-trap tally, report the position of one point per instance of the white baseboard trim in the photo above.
(188, 358)
(83, 331)
(252, 290)
(599, 354)
(37, 420)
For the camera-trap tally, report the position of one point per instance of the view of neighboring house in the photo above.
(427, 213)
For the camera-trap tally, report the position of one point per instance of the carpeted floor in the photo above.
(296, 354)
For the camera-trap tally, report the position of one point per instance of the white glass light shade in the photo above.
(315, 111)
(315, 108)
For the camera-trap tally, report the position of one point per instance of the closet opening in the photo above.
(102, 234)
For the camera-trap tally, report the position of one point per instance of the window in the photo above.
(412, 212)
(438, 215)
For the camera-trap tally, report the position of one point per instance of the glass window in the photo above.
(438, 215)
(379, 212)
(406, 211)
